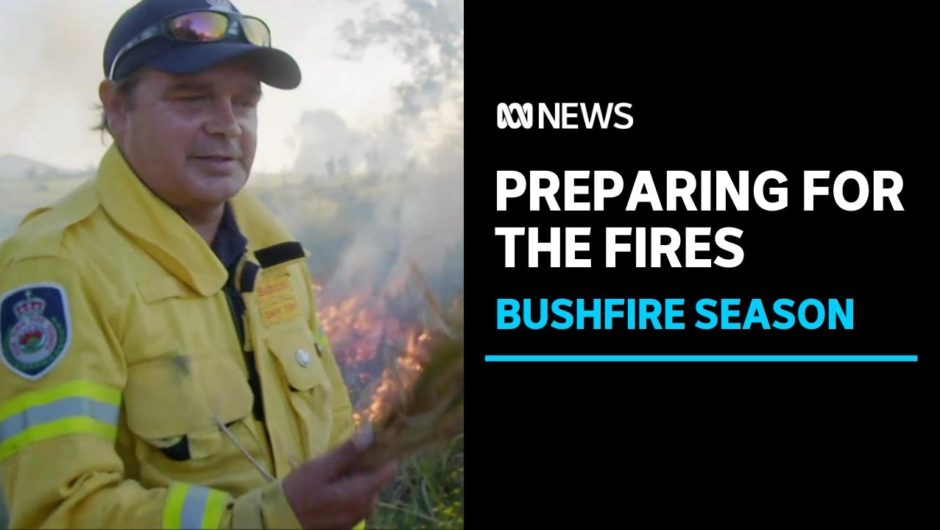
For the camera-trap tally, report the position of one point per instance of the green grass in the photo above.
(428, 493)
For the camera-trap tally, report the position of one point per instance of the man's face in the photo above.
(192, 138)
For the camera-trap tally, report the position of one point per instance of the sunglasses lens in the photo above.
(199, 27)
(257, 31)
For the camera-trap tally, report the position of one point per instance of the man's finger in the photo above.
(355, 493)
(381, 478)
(364, 438)
(343, 457)
(365, 486)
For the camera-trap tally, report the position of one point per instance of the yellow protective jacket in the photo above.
(125, 400)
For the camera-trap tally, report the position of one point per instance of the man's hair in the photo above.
(125, 88)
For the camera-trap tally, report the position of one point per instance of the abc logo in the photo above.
(564, 116)
(514, 115)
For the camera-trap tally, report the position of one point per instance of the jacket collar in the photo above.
(257, 224)
(156, 228)
(164, 235)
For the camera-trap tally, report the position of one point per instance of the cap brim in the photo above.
(275, 67)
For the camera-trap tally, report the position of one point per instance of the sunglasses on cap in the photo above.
(199, 27)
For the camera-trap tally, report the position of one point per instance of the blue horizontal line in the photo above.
(701, 358)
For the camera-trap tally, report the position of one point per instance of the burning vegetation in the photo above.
(403, 356)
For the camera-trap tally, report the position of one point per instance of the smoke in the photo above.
(416, 153)
(429, 105)
(50, 61)
(419, 222)
(330, 148)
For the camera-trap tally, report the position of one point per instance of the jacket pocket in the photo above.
(174, 403)
(310, 391)
(299, 357)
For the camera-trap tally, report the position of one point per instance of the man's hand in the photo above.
(326, 493)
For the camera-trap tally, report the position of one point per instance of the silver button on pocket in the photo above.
(303, 358)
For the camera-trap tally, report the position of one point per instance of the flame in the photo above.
(399, 377)
(381, 344)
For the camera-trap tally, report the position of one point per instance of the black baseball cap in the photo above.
(276, 67)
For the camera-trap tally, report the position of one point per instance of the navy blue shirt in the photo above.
(229, 243)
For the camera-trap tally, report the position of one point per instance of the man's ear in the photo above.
(115, 106)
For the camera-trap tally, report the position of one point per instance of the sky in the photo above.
(50, 66)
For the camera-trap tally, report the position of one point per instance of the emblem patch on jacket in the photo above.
(35, 329)
(276, 299)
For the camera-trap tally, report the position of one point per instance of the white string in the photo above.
(264, 472)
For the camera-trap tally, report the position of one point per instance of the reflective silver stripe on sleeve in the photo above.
(57, 410)
(194, 508)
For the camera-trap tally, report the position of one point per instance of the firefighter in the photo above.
(164, 366)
